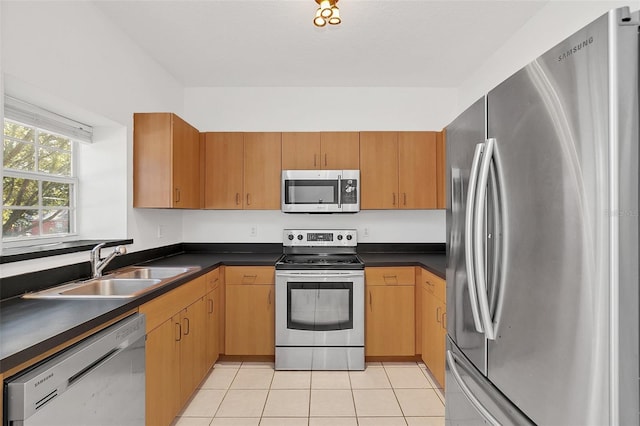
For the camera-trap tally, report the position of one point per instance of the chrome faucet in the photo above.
(97, 264)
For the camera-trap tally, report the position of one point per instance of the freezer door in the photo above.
(471, 399)
(551, 355)
(463, 135)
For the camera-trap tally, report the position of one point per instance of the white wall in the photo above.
(66, 56)
(552, 24)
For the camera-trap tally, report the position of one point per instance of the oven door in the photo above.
(319, 308)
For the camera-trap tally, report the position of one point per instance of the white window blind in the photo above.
(24, 112)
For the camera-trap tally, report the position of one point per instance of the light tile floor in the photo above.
(253, 394)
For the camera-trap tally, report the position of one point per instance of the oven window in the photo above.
(311, 191)
(320, 306)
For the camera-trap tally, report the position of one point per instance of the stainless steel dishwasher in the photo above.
(98, 381)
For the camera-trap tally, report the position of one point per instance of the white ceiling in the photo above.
(418, 43)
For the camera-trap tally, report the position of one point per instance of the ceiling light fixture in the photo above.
(327, 12)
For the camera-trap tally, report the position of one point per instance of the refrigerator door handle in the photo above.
(451, 358)
(479, 240)
(468, 236)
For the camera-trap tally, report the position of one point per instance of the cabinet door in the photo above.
(440, 343)
(192, 349)
(390, 321)
(223, 181)
(262, 171)
(430, 328)
(301, 150)
(417, 170)
(340, 150)
(441, 168)
(186, 164)
(379, 170)
(152, 186)
(212, 303)
(162, 373)
(250, 320)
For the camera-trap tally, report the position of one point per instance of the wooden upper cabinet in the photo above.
(223, 170)
(398, 170)
(379, 170)
(417, 176)
(340, 150)
(262, 170)
(301, 150)
(320, 151)
(166, 162)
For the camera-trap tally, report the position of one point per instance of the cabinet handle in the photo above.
(325, 160)
(370, 304)
(248, 279)
(248, 199)
(394, 198)
(210, 306)
(177, 195)
(179, 330)
(444, 320)
(405, 198)
(388, 278)
(438, 314)
(315, 162)
(237, 198)
(269, 296)
(188, 327)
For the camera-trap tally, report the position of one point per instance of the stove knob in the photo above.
(290, 236)
(349, 237)
(300, 237)
(339, 237)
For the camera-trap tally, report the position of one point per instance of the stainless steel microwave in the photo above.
(320, 191)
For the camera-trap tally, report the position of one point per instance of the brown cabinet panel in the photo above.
(262, 170)
(379, 170)
(339, 150)
(441, 169)
(250, 320)
(434, 324)
(163, 373)
(417, 170)
(403, 275)
(224, 154)
(166, 162)
(192, 348)
(390, 321)
(212, 300)
(301, 151)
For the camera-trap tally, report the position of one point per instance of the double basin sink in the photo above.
(123, 283)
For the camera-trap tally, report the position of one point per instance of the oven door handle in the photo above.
(332, 274)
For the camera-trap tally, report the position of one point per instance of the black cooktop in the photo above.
(319, 261)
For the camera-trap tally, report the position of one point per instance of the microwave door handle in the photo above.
(339, 191)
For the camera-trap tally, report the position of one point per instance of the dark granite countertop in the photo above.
(30, 327)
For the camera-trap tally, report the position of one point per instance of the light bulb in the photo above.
(335, 16)
(319, 21)
(325, 8)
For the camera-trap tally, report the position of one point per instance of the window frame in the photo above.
(40, 177)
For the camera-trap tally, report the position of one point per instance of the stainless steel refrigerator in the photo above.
(542, 239)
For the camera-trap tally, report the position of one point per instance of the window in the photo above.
(39, 184)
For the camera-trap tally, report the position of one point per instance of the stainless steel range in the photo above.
(320, 301)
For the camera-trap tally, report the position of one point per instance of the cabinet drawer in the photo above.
(404, 275)
(164, 307)
(434, 285)
(235, 275)
(213, 279)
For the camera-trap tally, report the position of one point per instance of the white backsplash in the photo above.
(265, 226)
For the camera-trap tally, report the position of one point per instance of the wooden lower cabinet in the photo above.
(250, 320)
(163, 373)
(179, 352)
(212, 300)
(390, 311)
(249, 310)
(434, 324)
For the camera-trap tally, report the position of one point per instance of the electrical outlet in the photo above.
(253, 231)
(160, 231)
(366, 232)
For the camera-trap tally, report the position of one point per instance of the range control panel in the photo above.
(320, 238)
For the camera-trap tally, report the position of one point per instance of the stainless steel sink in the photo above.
(123, 283)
